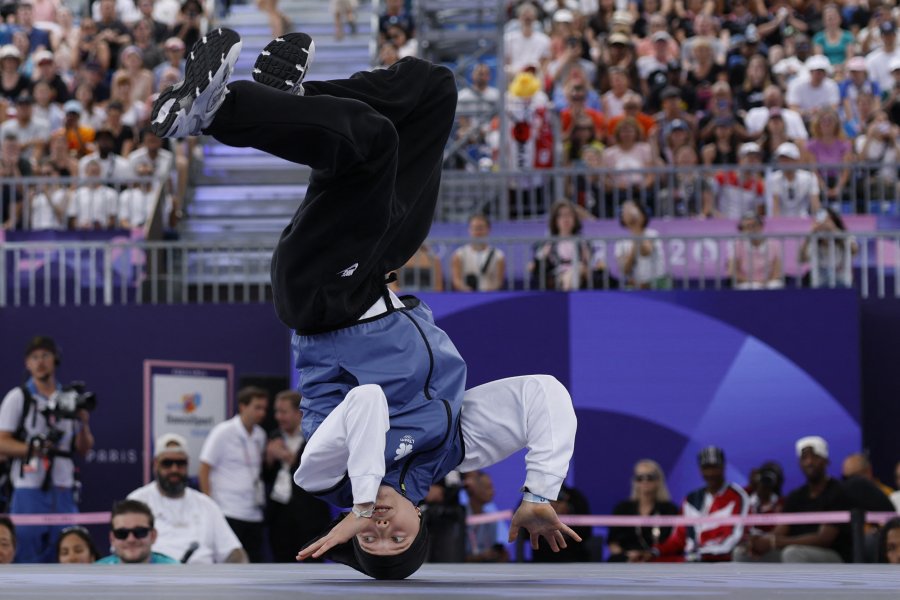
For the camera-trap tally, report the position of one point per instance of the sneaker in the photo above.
(285, 61)
(190, 105)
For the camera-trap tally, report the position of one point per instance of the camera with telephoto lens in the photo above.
(72, 398)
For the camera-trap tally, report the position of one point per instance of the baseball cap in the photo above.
(788, 150)
(749, 148)
(888, 27)
(815, 443)
(670, 91)
(72, 106)
(24, 98)
(10, 51)
(42, 56)
(679, 124)
(661, 36)
(170, 442)
(711, 456)
(818, 62)
(857, 63)
(173, 43)
(622, 17)
(619, 38)
(751, 35)
(563, 15)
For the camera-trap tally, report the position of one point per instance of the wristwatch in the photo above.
(364, 513)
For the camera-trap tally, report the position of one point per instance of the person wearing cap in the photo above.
(878, 61)
(807, 543)
(47, 71)
(794, 192)
(818, 90)
(174, 50)
(836, 44)
(657, 70)
(80, 138)
(131, 64)
(856, 84)
(527, 45)
(43, 474)
(190, 526)
(713, 543)
(33, 133)
(12, 82)
(132, 535)
(754, 262)
(672, 110)
(736, 192)
(656, 22)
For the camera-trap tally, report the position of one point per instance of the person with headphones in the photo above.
(41, 445)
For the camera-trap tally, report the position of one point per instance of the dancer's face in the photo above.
(394, 526)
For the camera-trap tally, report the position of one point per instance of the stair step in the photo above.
(248, 193)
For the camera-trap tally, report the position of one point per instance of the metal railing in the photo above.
(124, 271)
(666, 191)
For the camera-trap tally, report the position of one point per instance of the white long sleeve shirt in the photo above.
(498, 419)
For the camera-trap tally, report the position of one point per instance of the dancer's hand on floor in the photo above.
(541, 521)
(340, 533)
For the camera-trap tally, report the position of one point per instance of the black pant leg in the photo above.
(250, 535)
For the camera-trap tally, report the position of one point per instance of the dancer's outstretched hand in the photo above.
(340, 533)
(541, 521)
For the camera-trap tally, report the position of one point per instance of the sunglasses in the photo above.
(647, 477)
(138, 532)
(168, 463)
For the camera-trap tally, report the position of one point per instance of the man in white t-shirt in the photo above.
(808, 94)
(94, 205)
(773, 107)
(190, 526)
(794, 192)
(527, 46)
(231, 469)
(878, 62)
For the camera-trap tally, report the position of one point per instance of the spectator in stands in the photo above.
(830, 147)
(158, 30)
(92, 48)
(65, 39)
(890, 542)
(755, 261)
(672, 110)
(190, 525)
(815, 92)
(151, 52)
(46, 10)
(751, 91)
(879, 61)
(38, 39)
(773, 103)
(613, 100)
(721, 107)
(649, 497)
(33, 133)
(112, 31)
(134, 112)
(406, 46)
(855, 84)
(341, 10)
(775, 134)
(765, 493)
(7, 541)
(46, 71)
(478, 266)
(826, 543)
(395, 13)
(136, 202)
(783, 18)
(859, 465)
(75, 546)
(676, 135)
(528, 45)
(576, 96)
(132, 535)
(480, 96)
(562, 264)
(44, 108)
(174, 50)
(834, 255)
(422, 272)
(582, 148)
(387, 55)
(718, 497)
(48, 202)
(571, 59)
(626, 160)
(689, 191)
(13, 167)
(794, 191)
(94, 205)
(123, 135)
(293, 516)
(151, 150)
(59, 157)
(642, 263)
(12, 82)
(231, 465)
(878, 149)
(131, 63)
(92, 113)
(113, 168)
(703, 72)
(722, 148)
(838, 45)
(737, 192)
(485, 543)
(632, 108)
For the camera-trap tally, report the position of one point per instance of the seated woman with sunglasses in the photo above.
(649, 496)
(132, 535)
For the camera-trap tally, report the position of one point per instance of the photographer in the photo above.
(41, 425)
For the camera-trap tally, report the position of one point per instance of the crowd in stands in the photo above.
(76, 87)
(764, 85)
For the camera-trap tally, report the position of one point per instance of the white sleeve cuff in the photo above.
(543, 484)
(365, 488)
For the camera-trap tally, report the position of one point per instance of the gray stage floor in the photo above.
(246, 582)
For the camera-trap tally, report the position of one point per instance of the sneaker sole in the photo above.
(181, 110)
(285, 61)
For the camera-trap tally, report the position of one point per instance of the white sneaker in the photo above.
(190, 105)
(285, 61)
